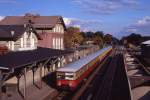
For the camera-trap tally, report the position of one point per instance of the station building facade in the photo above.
(50, 28)
(18, 37)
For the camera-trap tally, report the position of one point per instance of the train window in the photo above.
(60, 75)
(69, 75)
(65, 75)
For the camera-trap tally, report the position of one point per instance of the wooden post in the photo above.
(57, 63)
(44, 70)
(24, 90)
(1, 83)
(33, 71)
(18, 87)
(61, 61)
(40, 75)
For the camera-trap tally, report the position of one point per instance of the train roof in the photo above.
(75, 66)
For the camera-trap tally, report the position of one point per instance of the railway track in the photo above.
(104, 90)
(80, 93)
(89, 93)
(109, 81)
(115, 79)
(61, 95)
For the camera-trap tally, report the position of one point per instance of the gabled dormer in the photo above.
(18, 37)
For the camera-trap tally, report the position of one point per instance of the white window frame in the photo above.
(62, 44)
(54, 43)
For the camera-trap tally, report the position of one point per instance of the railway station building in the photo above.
(50, 28)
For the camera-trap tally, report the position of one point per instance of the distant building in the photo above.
(50, 28)
(18, 37)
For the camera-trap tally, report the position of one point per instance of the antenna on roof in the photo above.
(12, 33)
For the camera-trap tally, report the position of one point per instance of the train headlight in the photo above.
(70, 83)
(59, 83)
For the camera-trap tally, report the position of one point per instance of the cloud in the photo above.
(105, 6)
(141, 26)
(132, 30)
(1, 17)
(143, 22)
(84, 25)
(67, 21)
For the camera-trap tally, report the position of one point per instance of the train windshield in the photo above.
(65, 75)
(60, 75)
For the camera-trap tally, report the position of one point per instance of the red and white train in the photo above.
(72, 74)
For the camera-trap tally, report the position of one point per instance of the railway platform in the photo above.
(34, 92)
(138, 77)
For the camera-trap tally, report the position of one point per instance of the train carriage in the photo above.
(71, 75)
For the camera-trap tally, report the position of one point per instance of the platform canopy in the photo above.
(13, 60)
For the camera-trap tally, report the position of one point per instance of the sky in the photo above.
(116, 17)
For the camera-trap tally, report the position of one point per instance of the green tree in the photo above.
(77, 38)
(99, 33)
(134, 38)
(67, 40)
(73, 37)
(108, 38)
(98, 38)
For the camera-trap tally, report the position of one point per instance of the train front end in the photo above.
(65, 81)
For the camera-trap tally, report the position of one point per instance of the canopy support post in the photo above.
(1, 84)
(40, 75)
(24, 90)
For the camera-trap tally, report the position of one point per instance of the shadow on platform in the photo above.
(146, 96)
(50, 79)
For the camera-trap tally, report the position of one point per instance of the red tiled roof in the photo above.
(37, 21)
